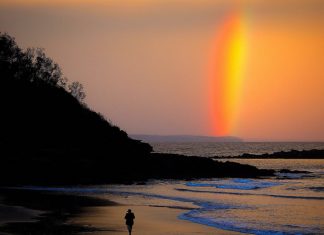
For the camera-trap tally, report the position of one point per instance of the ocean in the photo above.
(288, 203)
(210, 149)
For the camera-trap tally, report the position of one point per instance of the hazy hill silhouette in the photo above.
(48, 135)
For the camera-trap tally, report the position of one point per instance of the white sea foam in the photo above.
(241, 184)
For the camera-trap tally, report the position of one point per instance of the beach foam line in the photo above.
(241, 184)
(250, 194)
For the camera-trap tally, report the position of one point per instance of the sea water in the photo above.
(210, 149)
(288, 203)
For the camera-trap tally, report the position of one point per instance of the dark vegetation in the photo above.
(49, 136)
(292, 154)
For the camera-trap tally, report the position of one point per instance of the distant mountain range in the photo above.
(185, 138)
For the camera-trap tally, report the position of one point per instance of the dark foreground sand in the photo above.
(28, 212)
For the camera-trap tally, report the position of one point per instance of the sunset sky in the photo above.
(252, 69)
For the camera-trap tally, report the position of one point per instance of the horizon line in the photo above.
(230, 136)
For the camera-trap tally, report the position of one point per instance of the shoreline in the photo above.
(37, 212)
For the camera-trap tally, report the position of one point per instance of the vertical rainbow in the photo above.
(226, 73)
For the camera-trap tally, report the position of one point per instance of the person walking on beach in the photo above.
(129, 217)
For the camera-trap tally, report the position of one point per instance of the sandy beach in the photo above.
(24, 211)
(149, 220)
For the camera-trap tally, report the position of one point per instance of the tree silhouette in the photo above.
(44, 67)
(34, 66)
(76, 90)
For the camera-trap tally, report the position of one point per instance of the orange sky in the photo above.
(285, 83)
(145, 63)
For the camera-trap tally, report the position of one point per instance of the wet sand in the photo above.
(149, 221)
(43, 213)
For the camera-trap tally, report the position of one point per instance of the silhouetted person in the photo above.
(129, 217)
